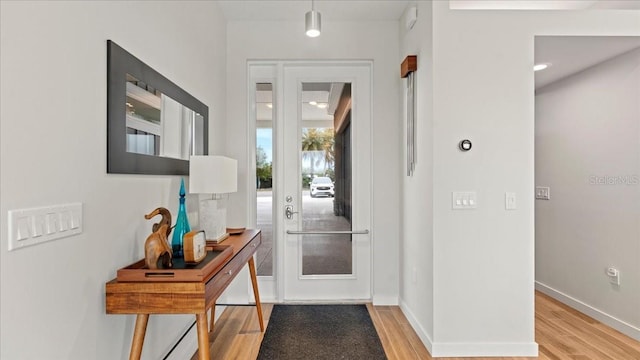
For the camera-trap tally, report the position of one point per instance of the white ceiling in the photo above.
(331, 10)
(362, 10)
(544, 4)
(571, 54)
(568, 54)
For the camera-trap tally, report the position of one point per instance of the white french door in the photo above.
(313, 162)
(324, 197)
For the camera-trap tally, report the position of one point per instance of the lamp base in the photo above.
(213, 219)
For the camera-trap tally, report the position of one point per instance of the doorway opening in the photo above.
(587, 174)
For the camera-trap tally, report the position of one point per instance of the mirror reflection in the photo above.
(153, 125)
(159, 125)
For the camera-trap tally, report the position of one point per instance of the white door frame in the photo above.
(273, 288)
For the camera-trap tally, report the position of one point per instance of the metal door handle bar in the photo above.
(327, 232)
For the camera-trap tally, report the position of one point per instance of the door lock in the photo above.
(288, 212)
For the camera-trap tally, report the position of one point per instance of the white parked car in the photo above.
(322, 186)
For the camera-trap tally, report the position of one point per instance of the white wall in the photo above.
(588, 152)
(483, 259)
(285, 40)
(53, 146)
(417, 191)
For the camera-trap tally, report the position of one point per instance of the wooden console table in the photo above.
(146, 298)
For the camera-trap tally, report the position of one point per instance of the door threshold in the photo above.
(326, 302)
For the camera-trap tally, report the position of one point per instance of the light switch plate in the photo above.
(37, 225)
(464, 200)
(510, 201)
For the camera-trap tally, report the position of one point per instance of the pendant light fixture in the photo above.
(312, 22)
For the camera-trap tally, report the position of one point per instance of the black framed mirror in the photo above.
(153, 125)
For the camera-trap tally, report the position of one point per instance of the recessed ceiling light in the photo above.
(314, 103)
(538, 67)
(323, 105)
(270, 105)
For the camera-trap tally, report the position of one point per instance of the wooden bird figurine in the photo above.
(157, 252)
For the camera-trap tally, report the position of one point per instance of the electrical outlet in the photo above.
(543, 193)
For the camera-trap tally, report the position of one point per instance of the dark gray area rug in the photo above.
(320, 332)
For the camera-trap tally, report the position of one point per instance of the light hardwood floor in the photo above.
(561, 332)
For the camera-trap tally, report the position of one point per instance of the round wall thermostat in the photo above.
(465, 145)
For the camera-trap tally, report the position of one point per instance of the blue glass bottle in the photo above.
(182, 226)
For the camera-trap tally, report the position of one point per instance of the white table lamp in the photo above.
(216, 175)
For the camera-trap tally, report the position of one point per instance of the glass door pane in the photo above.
(326, 253)
(264, 177)
(326, 179)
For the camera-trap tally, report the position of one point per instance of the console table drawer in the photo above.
(221, 280)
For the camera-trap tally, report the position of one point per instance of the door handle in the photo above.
(328, 232)
(288, 212)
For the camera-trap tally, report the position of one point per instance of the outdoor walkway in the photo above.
(322, 254)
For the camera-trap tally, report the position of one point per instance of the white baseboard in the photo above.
(188, 345)
(417, 327)
(467, 349)
(589, 310)
(485, 349)
(385, 300)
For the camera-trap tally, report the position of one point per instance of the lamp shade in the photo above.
(212, 174)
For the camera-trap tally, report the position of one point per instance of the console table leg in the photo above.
(138, 336)
(256, 294)
(213, 317)
(203, 336)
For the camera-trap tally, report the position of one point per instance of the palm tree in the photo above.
(328, 141)
(311, 143)
(314, 141)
